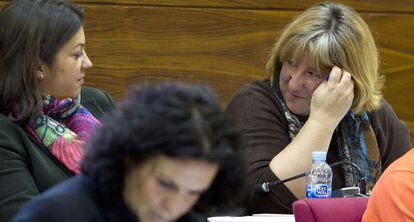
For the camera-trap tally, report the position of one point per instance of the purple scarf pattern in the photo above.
(63, 127)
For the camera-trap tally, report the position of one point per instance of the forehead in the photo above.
(77, 40)
(187, 173)
(317, 52)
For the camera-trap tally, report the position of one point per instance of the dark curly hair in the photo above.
(171, 119)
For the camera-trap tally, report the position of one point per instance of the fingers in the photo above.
(346, 80)
(335, 75)
(339, 76)
(341, 80)
(346, 86)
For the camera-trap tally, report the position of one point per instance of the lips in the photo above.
(81, 79)
(295, 96)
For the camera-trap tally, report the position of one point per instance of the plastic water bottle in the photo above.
(319, 177)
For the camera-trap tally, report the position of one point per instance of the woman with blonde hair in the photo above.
(323, 92)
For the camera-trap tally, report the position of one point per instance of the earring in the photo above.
(41, 76)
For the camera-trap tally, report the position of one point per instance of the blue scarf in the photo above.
(356, 143)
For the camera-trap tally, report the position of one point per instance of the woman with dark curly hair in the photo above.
(165, 148)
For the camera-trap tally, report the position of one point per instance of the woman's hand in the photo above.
(333, 98)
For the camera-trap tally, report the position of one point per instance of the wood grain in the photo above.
(227, 49)
(365, 5)
(131, 42)
(397, 6)
(192, 45)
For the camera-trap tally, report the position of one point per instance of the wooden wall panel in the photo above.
(397, 6)
(226, 43)
(394, 34)
(365, 5)
(214, 46)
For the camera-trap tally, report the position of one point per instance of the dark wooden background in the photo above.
(226, 43)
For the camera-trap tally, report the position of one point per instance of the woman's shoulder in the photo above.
(97, 101)
(384, 108)
(384, 114)
(392, 134)
(73, 195)
(9, 128)
(255, 87)
(4, 120)
(257, 94)
(90, 93)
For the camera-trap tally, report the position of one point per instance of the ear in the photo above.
(40, 70)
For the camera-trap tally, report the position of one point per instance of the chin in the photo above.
(76, 94)
(298, 110)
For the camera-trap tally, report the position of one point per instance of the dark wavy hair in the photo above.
(171, 119)
(31, 30)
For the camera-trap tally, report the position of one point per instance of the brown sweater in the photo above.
(264, 127)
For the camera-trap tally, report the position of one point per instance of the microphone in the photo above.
(362, 183)
(266, 186)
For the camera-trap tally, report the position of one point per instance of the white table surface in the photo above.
(255, 218)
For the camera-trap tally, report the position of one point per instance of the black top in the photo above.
(27, 168)
(77, 200)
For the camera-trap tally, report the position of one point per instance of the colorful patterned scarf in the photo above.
(63, 128)
(356, 143)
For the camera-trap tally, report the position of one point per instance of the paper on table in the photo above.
(256, 218)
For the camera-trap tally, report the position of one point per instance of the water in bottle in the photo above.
(319, 177)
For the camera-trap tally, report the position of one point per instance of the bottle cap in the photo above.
(319, 155)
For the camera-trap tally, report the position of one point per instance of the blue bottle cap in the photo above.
(319, 155)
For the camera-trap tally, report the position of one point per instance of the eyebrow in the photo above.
(174, 184)
(313, 70)
(196, 192)
(82, 45)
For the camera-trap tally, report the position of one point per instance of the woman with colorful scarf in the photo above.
(45, 113)
(323, 93)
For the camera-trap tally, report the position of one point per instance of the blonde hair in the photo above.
(331, 34)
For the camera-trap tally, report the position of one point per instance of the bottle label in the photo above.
(318, 191)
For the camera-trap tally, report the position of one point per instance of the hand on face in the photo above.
(333, 98)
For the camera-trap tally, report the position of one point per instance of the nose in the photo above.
(87, 62)
(296, 81)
